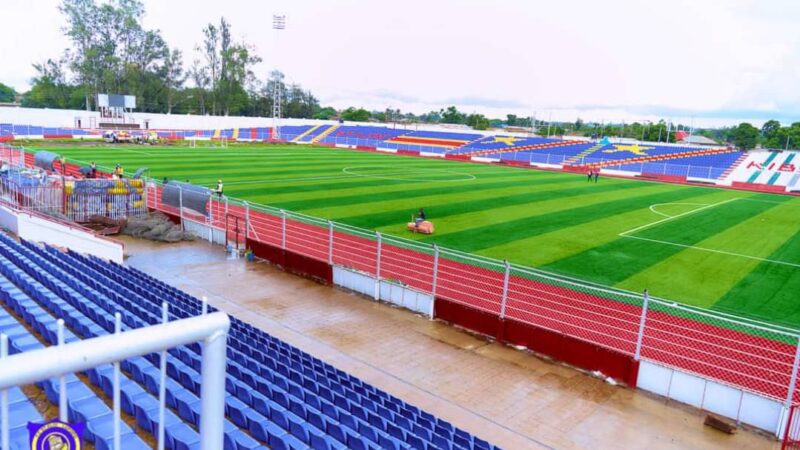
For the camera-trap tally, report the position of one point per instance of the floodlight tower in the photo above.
(278, 24)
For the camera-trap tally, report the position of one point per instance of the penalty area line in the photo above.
(711, 250)
(657, 222)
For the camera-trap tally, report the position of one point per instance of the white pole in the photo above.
(506, 277)
(212, 391)
(378, 268)
(205, 305)
(4, 397)
(162, 387)
(435, 269)
(645, 302)
(62, 381)
(283, 229)
(180, 206)
(117, 330)
(793, 380)
(246, 220)
(330, 242)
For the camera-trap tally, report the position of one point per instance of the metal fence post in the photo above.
(645, 303)
(4, 397)
(330, 242)
(378, 268)
(506, 276)
(283, 229)
(180, 206)
(246, 220)
(62, 381)
(435, 269)
(793, 379)
(162, 385)
(709, 172)
(117, 330)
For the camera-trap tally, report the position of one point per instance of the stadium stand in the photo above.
(361, 135)
(277, 395)
(430, 141)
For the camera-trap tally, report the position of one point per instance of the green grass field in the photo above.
(722, 249)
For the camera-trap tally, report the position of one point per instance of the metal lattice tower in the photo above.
(278, 24)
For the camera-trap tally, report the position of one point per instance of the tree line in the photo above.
(112, 52)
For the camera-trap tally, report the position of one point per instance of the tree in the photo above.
(511, 120)
(173, 76)
(7, 94)
(744, 136)
(770, 129)
(477, 121)
(452, 115)
(326, 113)
(355, 115)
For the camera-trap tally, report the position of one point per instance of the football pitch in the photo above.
(728, 250)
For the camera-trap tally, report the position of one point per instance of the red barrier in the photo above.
(759, 187)
(662, 177)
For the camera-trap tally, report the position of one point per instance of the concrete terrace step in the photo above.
(306, 133)
(584, 153)
(324, 134)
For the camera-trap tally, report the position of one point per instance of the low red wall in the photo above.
(408, 152)
(560, 347)
(759, 187)
(510, 162)
(575, 169)
(293, 262)
(365, 147)
(661, 177)
(464, 316)
(458, 157)
(571, 351)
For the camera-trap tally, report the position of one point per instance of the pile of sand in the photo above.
(155, 227)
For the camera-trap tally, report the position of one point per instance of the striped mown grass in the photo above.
(713, 248)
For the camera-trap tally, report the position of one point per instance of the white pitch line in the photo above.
(648, 225)
(711, 250)
(653, 210)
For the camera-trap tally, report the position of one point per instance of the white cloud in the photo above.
(615, 59)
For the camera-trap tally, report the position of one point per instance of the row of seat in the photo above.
(303, 371)
(137, 400)
(21, 410)
(276, 395)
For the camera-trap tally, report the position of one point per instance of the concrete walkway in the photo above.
(511, 398)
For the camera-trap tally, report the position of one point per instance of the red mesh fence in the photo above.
(356, 249)
(754, 357)
(573, 310)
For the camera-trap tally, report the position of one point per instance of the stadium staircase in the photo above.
(546, 145)
(584, 153)
(728, 171)
(656, 158)
(216, 134)
(324, 134)
(278, 396)
(306, 133)
(235, 134)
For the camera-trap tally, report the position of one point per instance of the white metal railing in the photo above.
(60, 360)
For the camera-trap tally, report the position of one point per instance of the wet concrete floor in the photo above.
(509, 397)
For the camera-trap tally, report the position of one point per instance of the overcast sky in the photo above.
(715, 61)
